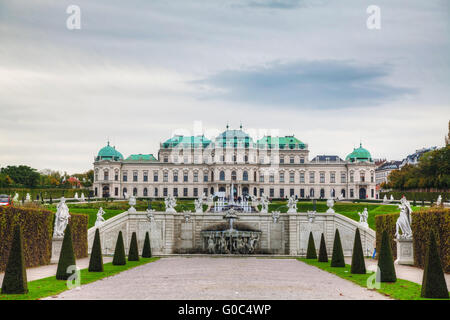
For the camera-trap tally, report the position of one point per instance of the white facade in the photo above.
(279, 167)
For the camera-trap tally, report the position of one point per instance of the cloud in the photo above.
(312, 84)
(282, 4)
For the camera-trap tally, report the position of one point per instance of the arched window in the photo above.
(343, 192)
(135, 192)
(212, 190)
(156, 192)
(311, 193)
(145, 192)
(254, 177)
(322, 193)
(222, 175)
(245, 176)
(332, 193)
(233, 175)
(255, 191)
(124, 191)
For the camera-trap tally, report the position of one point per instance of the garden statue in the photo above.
(187, 215)
(363, 218)
(210, 200)
(125, 195)
(76, 196)
(264, 203)
(132, 203)
(170, 203)
(16, 198)
(211, 245)
(404, 220)
(292, 205)
(83, 199)
(341, 197)
(330, 204)
(275, 216)
(100, 218)
(392, 198)
(199, 203)
(61, 218)
(150, 215)
(439, 201)
(28, 198)
(311, 216)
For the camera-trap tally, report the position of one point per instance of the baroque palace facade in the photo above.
(278, 167)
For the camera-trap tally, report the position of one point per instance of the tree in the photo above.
(433, 282)
(23, 175)
(147, 250)
(15, 279)
(119, 252)
(386, 261)
(323, 255)
(96, 260)
(311, 253)
(66, 257)
(358, 264)
(133, 253)
(337, 259)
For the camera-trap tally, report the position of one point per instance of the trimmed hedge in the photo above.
(96, 260)
(358, 265)
(133, 253)
(37, 231)
(419, 196)
(386, 261)
(66, 257)
(54, 192)
(15, 279)
(437, 219)
(337, 258)
(323, 255)
(311, 253)
(119, 252)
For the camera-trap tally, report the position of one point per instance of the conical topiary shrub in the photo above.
(386, 261)
(15, 279)
(66, 257)
(311, 253)
(337, 259)
(358, 264)
(323, 255)
(147, 250)
(133, 253)
(119, 252)
(433, 282)
(96, 260)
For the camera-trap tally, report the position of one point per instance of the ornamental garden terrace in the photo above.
(234, 164)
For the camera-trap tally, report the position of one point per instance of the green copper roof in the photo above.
(140, 157)
(286, 142)
(359, 154)
(109, 153)
(186, 142)
(234, 138)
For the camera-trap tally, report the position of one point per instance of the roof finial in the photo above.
(227, 126)
(240, 127)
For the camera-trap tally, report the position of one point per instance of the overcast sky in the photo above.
(139, 71)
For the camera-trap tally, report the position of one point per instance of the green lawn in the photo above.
(400, 290)
(46, 287)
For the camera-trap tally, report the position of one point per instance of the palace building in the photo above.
(187, 166)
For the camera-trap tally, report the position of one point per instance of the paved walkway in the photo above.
(409, 273)
(50, 270)
(222, 278)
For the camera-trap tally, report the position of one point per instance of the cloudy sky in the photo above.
(139, 71)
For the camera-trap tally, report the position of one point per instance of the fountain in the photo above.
(234, 239)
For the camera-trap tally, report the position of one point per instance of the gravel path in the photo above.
(222, 278)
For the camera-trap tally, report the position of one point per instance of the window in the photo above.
(155, 176)
(332, 177)
(124, 191)
(351, 177)
(165, 192)
(145, 176)
(311, 177)
(165, 176)
(175, 192)
(371, 177)
(212, 177)
(302, 193)
(291, 159)
(245, 176)
(233, 175)
(125, 177)
(166, 159)
(291, 177)
(246, 159)
(271, 192)
(205, 191)
(322, 177)
(135, 176)
(261, 160)
(96, 176)
(195, 192)
(116, 191)
(254, 178)
(261, 191)
(195, 176)
(372, 192)
(205, 176)
(281, 193)
(134, 191)
(281, 160)
(343, 177)
(322, 193)
(351, 193)
(106, 175)
(185, 159)
(116, 176)
(291, 192)
(302, 177)
(222, 175)
(175, 159)
(302, 160)
(185, 176)
(281, 176)
(175, 176)
(185, 192)
(363, 176)
(261, 177)
(145, 192)
(311, 193)
(156, 192)
(271, 177)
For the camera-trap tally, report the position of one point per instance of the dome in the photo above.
(234, 138)
(359, 154)
(109, 153)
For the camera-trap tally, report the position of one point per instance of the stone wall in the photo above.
(172, 233)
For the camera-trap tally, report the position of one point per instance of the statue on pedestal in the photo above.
(275, 216)
(100, 218)
(199, 203)
(385, 200)
(311, 216)
(363, 218)
(292, 205)
(404, 220)
(439, 201)
(28, 198)
(82, 199)
(264, 203)
(61, 218)
(170, 203)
